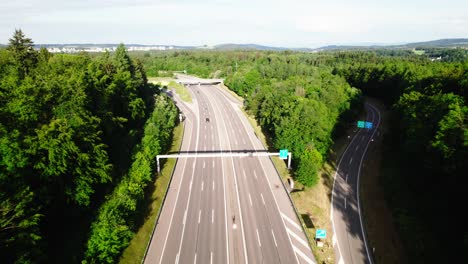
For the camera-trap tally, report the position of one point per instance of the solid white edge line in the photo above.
(269, 183)
(333, 189)
(177, 198)
(359, 175)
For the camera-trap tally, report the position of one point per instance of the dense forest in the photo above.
(78, 134)
(302, 99)
(75, 132)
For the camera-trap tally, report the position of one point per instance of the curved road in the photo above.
(349, 238)
(225, 210)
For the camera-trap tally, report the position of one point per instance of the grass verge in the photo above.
(313, 204)
(181, 91)
(135, 252)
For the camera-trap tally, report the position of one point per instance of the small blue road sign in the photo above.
(320, 233)
(368, 125)
(360, 124)
(283, 154)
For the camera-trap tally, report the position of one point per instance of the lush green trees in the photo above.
(68, 124)
(115, 224)
(426, 148)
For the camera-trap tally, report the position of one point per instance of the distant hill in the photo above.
(232, 46)
(440, 43)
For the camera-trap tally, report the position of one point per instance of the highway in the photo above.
(230, 209)
(349, 240)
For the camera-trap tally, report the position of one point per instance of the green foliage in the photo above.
(427, 145)
(115, 225)
(68, 124)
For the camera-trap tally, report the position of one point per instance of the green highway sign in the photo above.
(283, 154)
(360, 124)
(320, 233)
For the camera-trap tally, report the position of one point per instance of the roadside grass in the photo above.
(135, 252)
(169, 82)
(419, 52)
(181, 91)
(313, 203)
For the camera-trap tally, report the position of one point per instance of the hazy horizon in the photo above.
(295, 24)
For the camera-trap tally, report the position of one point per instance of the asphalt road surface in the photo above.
(225, 210)
(349, 240)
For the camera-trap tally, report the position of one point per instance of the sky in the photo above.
(290, 23)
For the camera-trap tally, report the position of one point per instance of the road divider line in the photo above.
(305, 244)
(274, 238)
(303, 256)
(258, 237)
(291, 222)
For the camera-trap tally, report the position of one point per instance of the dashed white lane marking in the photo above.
(357, 147)
(199, 216)
(345, 203)
(190, 185)
(211, 257)
(274, 238)
(250, 199)
(213, 164)
(303, 256)
(350, 161)
(203, 164)
(263, 200)
(213, 185)
(205, 136)
(297, 237)
(177, 258)
(346, 177)
(185, 216)
(202, 184)
(258, 237)
(291, 222)
(195, 259)
(245, 177)
(212, 215)
(255, 174)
